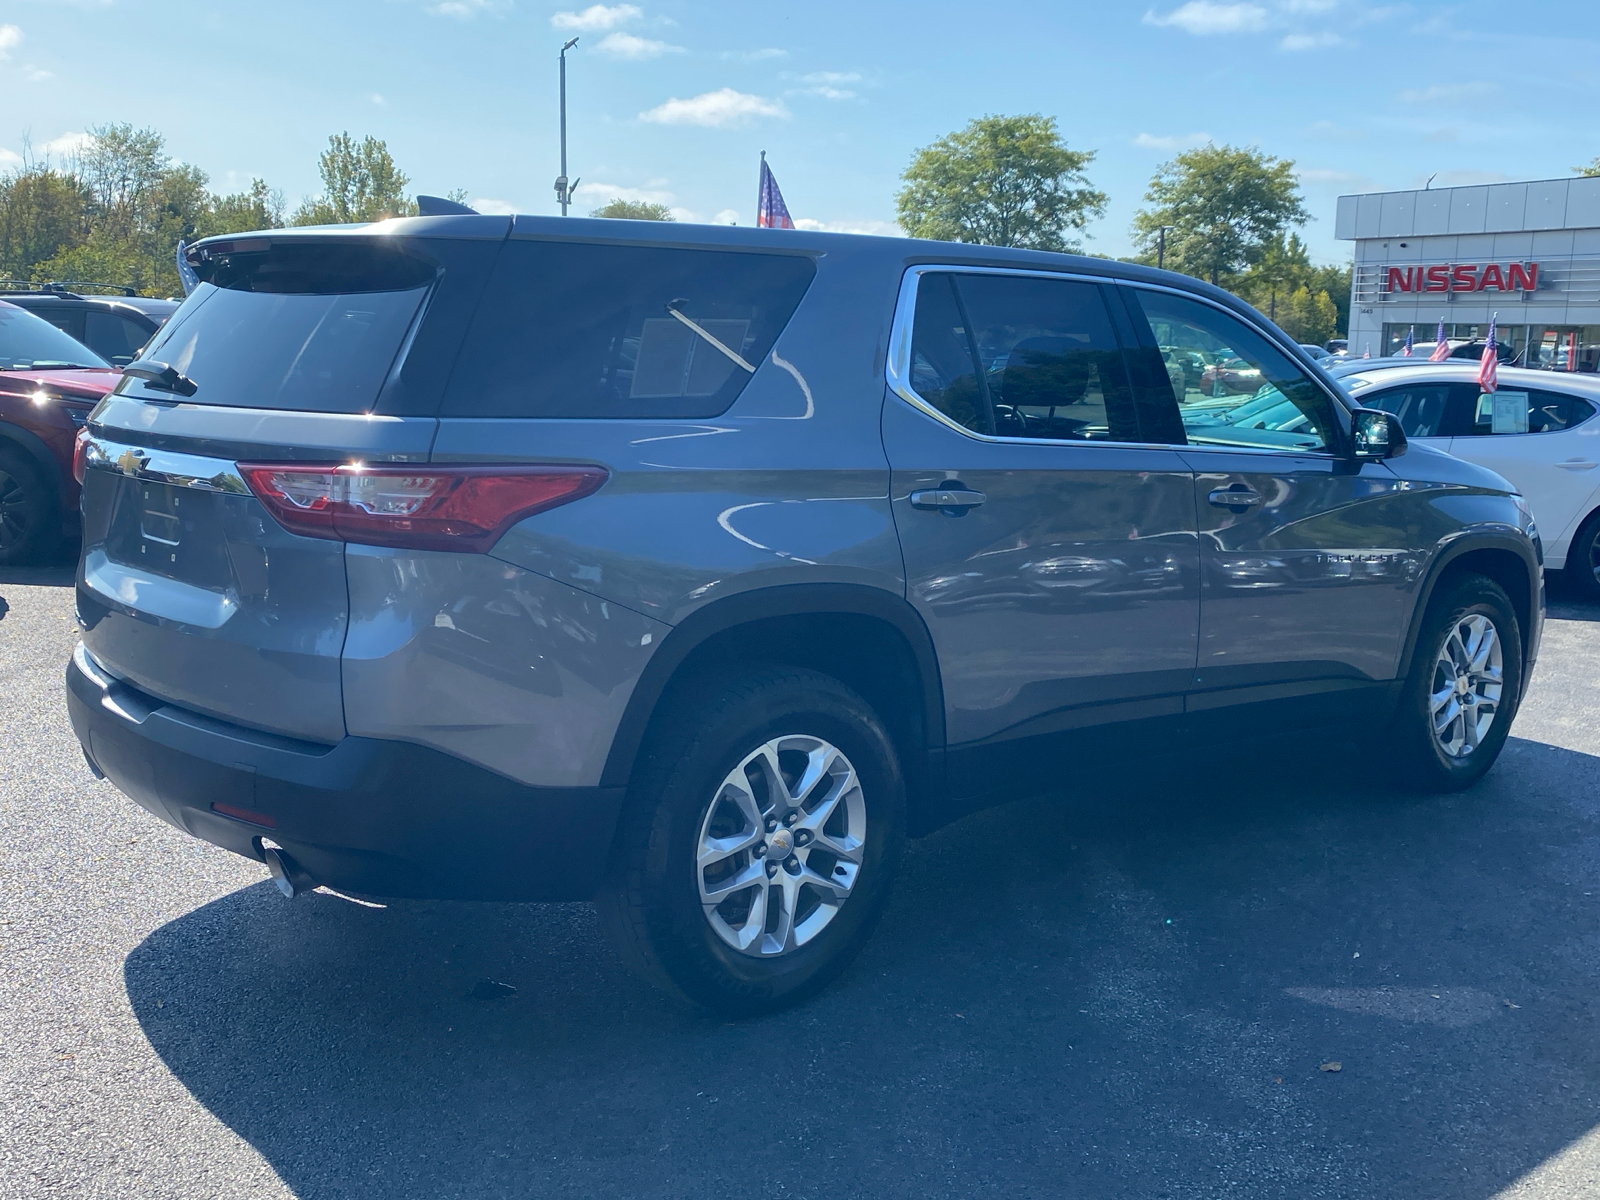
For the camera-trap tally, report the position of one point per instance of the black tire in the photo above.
(1423, 759)
(1583, 561)
(30, 510)
(652, 905)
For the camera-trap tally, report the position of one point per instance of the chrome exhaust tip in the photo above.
(289, 875)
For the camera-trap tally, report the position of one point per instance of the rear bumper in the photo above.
(368, 816)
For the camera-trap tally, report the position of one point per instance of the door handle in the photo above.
(1576, 464)
(950, 500)
(1234, 496)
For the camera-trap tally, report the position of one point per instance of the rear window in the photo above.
(310, 327)
(576, 330)
(28, 342)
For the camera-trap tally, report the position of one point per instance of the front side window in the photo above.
(1232, 385)
(1021, 356)
(28, 343)
(1510, 410)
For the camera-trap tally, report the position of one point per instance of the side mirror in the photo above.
(1377, 434)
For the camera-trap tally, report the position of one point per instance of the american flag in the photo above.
(1489, 368)
(1441, 347)
(1409, 333)
(771, 211)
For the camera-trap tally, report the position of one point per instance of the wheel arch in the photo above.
(869, 638)
(34, 447)
(1502, 557)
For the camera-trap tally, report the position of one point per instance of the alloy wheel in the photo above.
(1467, 682)
(781, 845)
(14, 514)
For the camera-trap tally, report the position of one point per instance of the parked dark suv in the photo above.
(113, 326)
(692, 568)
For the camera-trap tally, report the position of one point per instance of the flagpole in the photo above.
(761, 178)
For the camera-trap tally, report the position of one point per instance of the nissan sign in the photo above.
(1463, 277)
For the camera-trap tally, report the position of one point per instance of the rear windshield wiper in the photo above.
(162, 376)
(672, 310)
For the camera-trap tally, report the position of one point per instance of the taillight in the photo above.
(421, 507)
(80, 453)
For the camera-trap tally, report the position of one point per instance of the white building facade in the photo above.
(1529, 252)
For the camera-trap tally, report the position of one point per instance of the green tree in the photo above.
(1001, 181)
(634, 210)
(1591, 170)
(1335, 280)
(1282, 266)
(1308, 317)
(359, 183)
(42, 212)
(1222, 206)
(259, 207)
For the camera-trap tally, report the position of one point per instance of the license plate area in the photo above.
(172, 531)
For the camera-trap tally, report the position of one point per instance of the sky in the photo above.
(673, 102)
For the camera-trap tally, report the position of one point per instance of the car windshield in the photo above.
(30, 343)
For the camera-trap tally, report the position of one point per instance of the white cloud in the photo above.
(597, 194)
(9, 159)
(750, 56)
(465, 10)
(1206, 17)
(493, 208)
(634, 49)
(728, 216)
(720, 108)
(1306, 7)
(1309, 41)
(66, 145)
(38, 74)
(10, 39)
(870, 228)
(597, 17)
(1183, 141)
(1447, 93)
(825, 84)
(1332, 132)
(377, 98)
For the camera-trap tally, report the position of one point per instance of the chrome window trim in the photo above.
(164, 466)
(897, 364)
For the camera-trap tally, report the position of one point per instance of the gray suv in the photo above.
(691, 569)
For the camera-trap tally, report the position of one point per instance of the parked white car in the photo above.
(1538, 430)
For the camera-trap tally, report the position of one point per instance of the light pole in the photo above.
(563, 189)
(1161, 247)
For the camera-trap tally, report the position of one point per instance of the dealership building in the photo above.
(1529, 252)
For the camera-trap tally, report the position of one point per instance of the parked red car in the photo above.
(48, 384)
(1230, 377)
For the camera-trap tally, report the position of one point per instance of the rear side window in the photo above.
(1021, 356)
(568, 329)
(304, 326)
(113, 337)
(1423, 408)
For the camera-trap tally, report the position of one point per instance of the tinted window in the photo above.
(1547, 412)
(27, 341)
(113, 337)
(1422, 408)
(1232, 385)
(305, 327)
(576, 330)
(1021, 356)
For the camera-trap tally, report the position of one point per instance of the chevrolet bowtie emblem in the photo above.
(130, 462)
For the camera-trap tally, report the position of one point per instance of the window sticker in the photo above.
(1506, 412)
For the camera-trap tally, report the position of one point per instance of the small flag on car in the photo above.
(771, 211)
(1489, 366)
(1441, 346)
(1409, 333)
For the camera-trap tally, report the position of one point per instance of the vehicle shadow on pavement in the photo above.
(1131, 993)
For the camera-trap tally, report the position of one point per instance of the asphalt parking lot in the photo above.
(1125, 994)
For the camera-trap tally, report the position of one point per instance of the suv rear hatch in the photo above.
(296, 348)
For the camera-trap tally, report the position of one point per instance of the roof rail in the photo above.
(66, 286)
